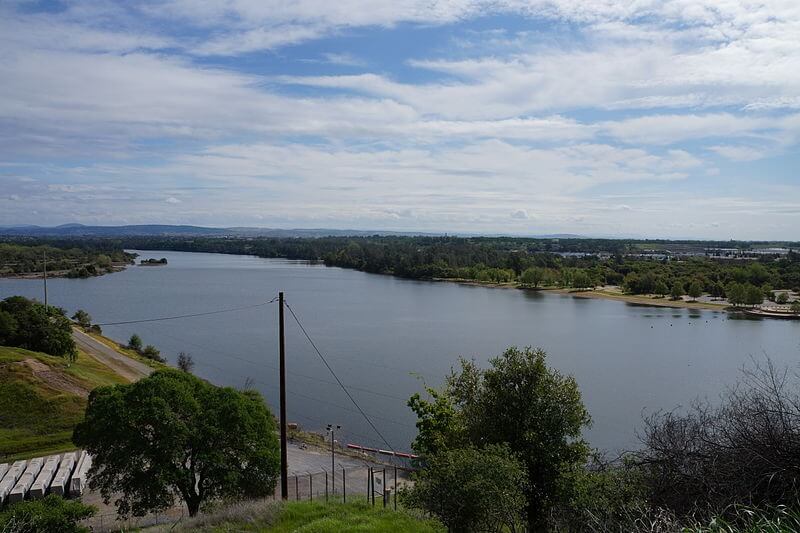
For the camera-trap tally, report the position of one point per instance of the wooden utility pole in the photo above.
(282, 345)
(45, 279)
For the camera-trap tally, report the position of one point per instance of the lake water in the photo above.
(386, 337)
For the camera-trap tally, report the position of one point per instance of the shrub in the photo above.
(471, 489)
(151, 352)
(135, 343)
(743, 451)
(29, 324)
(51, 514)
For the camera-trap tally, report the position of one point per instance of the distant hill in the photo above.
(163, 230)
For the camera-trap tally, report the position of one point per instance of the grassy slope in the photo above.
(352, 518)
(36, 418)
(314, 516)
(124, 350)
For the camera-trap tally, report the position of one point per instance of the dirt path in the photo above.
(55, 379)
(121, 364)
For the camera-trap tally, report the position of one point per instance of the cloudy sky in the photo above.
(662, 118)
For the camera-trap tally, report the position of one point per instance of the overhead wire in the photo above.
(339, 381)
(227, 353)
(295, 393)
(176, 317)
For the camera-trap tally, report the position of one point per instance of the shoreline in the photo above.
(643, 300)
(61, 274)
(596, 294)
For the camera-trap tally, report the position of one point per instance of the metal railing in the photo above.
(377, 485)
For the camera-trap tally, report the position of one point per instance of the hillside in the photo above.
(53, 394)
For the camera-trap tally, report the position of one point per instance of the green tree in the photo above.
(175, 434)
(135, 343)
(519, 402)
(36, 327)
(532, 276)
(753, 295)
(735, 293)
(83, 319)
(8, 328)
(796, 306)
(782, 298)
(151, 352)
(52, 514)
(661, 288)
(582, 280)
(471, 489)
(677, 291)
(695, 290)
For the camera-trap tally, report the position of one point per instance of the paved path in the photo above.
(128, 368)
(312, 459)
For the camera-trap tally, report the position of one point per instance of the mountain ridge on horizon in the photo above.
(74, 230)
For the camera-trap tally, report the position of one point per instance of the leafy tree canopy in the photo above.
(175, 434)
(518, 402)
(29, 324)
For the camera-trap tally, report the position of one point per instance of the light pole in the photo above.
(332, 430)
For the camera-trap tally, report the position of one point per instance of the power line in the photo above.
(175, 317)
(295, 393)
(347, 392)
(234, 355)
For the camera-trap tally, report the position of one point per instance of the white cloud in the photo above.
(637, 94)
(172, 200)
(347, 60)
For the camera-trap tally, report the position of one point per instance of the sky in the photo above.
(651, 118)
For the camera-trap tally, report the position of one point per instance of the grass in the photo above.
(124, 350)
(37, 418)
(744, 519)
(310, 517)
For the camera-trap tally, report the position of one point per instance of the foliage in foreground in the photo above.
(518, 402)
(52, 514)
(741, 452)
(175, 434)
(317, 517)
(471, 489)
(742, 519)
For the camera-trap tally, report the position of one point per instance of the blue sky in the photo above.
(671, 118)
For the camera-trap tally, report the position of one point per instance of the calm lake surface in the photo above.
(386, 337)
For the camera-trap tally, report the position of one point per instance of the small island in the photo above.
(153, 262)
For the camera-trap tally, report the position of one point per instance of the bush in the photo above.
(185, 362)
(603, 497)
(471, 489)
(29, 324)
(135, 343)
(743, 451)
(83, 319)
(51, 514)
(151, 352)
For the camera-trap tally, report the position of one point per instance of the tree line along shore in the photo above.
(72, 259)
(629, 270)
